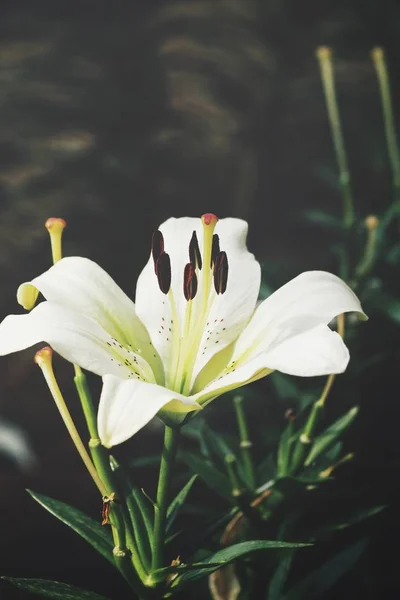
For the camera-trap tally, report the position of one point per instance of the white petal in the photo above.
(82, 285)
(229, 312)
(312, 298)
(232, 310)
(318, 351)
(152, 306)
(74, 336)
(126, 406)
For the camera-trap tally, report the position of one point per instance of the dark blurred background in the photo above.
(117, 115)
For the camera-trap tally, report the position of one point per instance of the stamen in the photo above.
(221, 273)
(194, 252)
(55, 227)
(214, 249)
(157, 247)
(189, 282)
(163, 272)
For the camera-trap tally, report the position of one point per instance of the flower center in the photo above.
(204, 277)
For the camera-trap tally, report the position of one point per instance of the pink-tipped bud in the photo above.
(209, 219)
(44, 356)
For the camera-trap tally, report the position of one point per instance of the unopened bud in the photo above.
(371, 222)
(27, 295)
(55, 227)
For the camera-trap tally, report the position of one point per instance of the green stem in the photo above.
(307, 437)
(86, 401)
(378, 57)
(245, 443)
(120, 521)
(171, 439)
(324, 56)
(137, 528)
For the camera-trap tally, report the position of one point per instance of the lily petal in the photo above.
(163, 314)
(318, 351)
(126, 406)
(231, 311)
(227, 313)
(77, 338)
(81, 285)
(312, 298)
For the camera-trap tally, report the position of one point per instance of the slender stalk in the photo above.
(86, 401)
(118, 510)
(324, 56)
(378, 57)
(367, 260)
(245, 443)
(44, 359)
(171, 439)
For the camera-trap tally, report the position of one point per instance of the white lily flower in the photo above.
(195, 331)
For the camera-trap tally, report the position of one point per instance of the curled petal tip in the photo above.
(44, 356)
(209, 219)
(55, 223)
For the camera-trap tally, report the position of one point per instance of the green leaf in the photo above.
(387, 304)
(331, 434)
(266, 470)
(227, 555)
(53, 589)
(285, 448)
(91, 530)
(178, 502)
(321, 218)
(320, 580)
(213, 478)
(280, 576)
(343, 523)
(284, 386)
(214, 444)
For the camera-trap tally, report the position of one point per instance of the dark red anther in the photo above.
(214, 249)
(189, 282)
(157, 246)
(221, 273)
(194, 252)
(163, 272)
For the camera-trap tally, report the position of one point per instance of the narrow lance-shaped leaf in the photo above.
(213, 478)
(92, 531)
(178, 501)
(280, 576)
(331, 434)
(320, 580)
(53, 589)
(285, 448)
(228, 555)
(345, 522)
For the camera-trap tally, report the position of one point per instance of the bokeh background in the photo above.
(117, 115)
